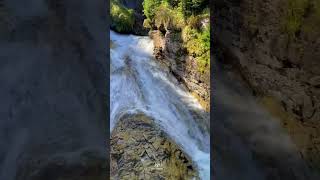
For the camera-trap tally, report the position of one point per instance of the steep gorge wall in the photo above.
(273, 64)
(274, 45)
(53, 91)
(170, 51)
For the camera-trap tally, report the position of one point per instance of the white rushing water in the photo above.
(140, 84)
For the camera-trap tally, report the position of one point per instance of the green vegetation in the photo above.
(311, 25)
(198, 45)
(188, 17)
(149, 7)
(301, 15)
(122, 19)
(294, 16)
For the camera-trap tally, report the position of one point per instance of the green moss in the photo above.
(294, 13)
(311, 24)
(301, 16)
(122, 19)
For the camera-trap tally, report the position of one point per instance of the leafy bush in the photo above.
(182, 8)
(168, 17)
(194, 22)
(149, 7)
(197, 44)
(163, 16)
(193, 7)
(122, 19)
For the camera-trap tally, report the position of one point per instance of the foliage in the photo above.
(197, 44)
(163, 16)
(147, 23)
(194, 22)
(149, 7)
(185, 8)
(311, 25)
(166, 16)
(122, 19)
(184, 16)
(192, 7)
(295, 11)
(302, 16)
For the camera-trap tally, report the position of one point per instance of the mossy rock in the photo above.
(140, 150)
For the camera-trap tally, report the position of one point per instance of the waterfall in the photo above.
(140, 84)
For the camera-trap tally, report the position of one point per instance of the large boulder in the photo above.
(141, 150)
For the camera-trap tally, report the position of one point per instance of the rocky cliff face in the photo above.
(53, 89)
(274, 45)
(273, 62)
(170, 51)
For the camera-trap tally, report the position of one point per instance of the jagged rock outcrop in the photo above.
(53, 76)
(140, 150)
(169, 50)
(274, 45)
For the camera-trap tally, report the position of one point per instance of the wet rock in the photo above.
(168, 49)
(140, 150)
(83, 165)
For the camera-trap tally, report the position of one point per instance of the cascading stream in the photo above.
(140, 84)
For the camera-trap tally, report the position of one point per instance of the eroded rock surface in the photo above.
(279, 63)
(140, 150)
(251, 35)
